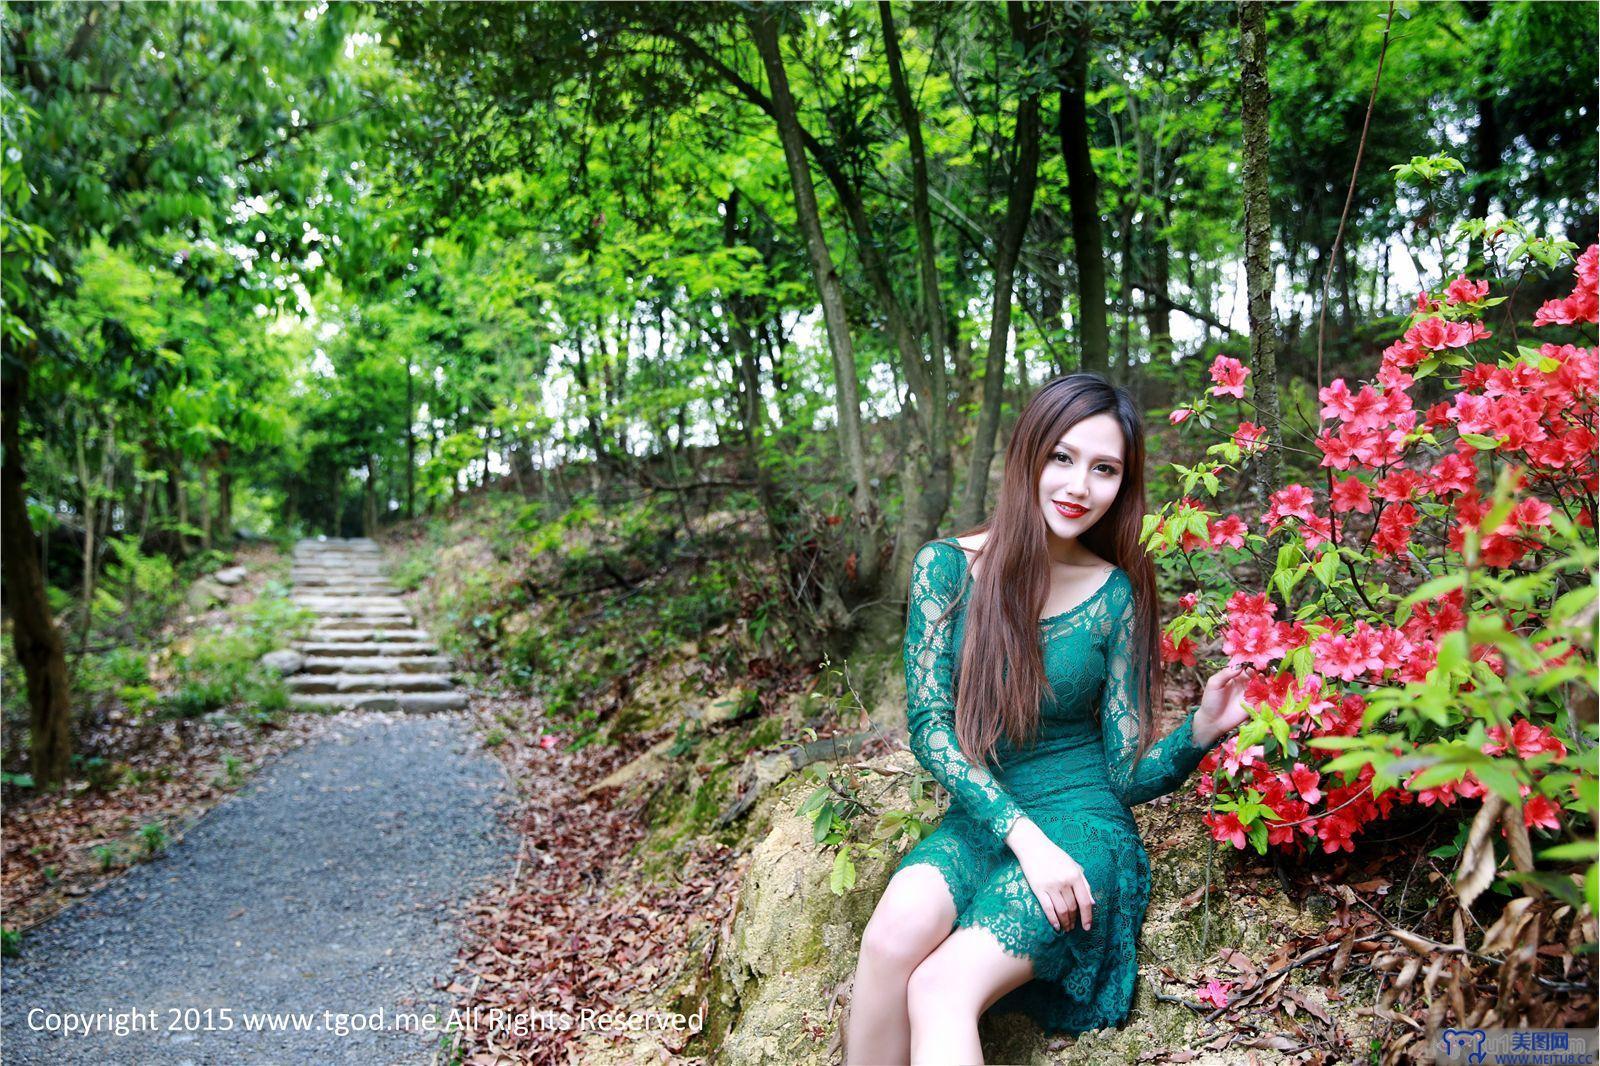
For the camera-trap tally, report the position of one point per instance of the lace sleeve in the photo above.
(930, 659)
(1170, 760)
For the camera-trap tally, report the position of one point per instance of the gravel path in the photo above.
(330, 883)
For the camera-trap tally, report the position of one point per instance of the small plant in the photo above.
(51, 874)
(221, 670)
(494, 738)
(684, 742)
(834, 807)
(10, 943)
(413, 571)
(153, 838)
(232, 771)
(106, 855)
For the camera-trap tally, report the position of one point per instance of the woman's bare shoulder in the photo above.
(973, 541)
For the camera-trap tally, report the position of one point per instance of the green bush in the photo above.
(221, 670)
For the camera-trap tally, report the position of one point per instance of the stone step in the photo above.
(370, 683)
(336, 566)
(341, 582)
(407, 702)
(346, 595)
(365, 615)
(333, 636)
(328, 648)
(364, 624)
(399, 664)
(321, 600)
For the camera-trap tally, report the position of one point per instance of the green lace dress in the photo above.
(1076, 782)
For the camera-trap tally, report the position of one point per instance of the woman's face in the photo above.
(1081, 476)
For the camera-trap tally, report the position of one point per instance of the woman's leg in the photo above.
(912, 918)
(950, 990)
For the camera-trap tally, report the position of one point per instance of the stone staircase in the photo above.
(365, 651)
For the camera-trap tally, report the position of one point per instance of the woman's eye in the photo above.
(1106, 468)
(1060, 455)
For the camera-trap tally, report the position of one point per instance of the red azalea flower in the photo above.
(1249, 437)
(1226, 827)
(1538, 812)
(1429, 333)
(1351, 494)
(1462, 291)
(1229, 375)
(1306, 781)
(1228, 531)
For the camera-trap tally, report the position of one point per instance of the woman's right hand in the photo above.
(1057, 880)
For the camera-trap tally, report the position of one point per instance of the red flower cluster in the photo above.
(1584, 303)
(1542, 415)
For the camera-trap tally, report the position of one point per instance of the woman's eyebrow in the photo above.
(1070, 448)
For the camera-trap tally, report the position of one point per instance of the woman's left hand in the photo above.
(1221, 706)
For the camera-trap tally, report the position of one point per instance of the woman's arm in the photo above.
(930, 659)
(1170, 760)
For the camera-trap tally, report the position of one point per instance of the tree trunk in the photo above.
(1121, 372)
(146, 496)
(369, 499)
(1487, 147)
(34, 636)
(1019, 208)
(864, 539)
(205, 504)
(1158, 300)
(596, 442)
(180, 493)
(224, 521)
(1256, 100)
(1083, 193)
(934, 314)
(411, 444)
(90, 512)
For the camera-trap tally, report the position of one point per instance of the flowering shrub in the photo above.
(1425, 631)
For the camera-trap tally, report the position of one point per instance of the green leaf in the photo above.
(1338, 743)
(1326, 567)
(843, 878)
(1258, 837)
(1576, 851)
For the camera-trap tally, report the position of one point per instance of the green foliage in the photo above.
(836, 811)
(221, 667)
(153, 838)
(136, 592)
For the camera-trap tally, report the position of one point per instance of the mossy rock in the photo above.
(660, 695)
(792, 949)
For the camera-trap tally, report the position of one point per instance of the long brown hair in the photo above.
(1010, 591)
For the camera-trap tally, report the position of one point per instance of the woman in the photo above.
(1032, 643)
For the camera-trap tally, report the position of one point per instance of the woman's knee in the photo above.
(910, 921)
(935, 988)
